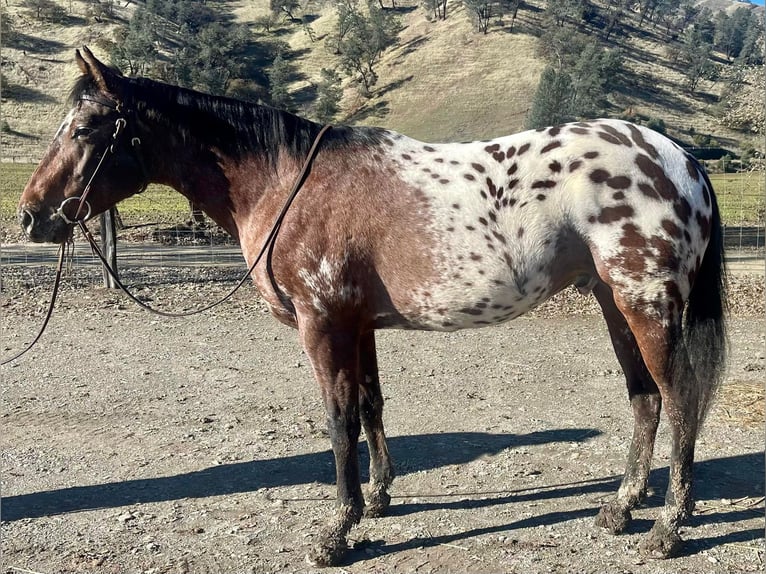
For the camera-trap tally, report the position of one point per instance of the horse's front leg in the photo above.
(334, 355)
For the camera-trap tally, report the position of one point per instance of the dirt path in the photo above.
(132, 444)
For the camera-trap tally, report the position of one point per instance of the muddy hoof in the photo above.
(328, 552)
(377, 505)
(661, 542)
(613, 517)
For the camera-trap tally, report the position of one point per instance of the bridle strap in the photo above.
(120, 125)
(56, 283)
(268, 243)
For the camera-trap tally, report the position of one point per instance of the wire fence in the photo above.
(162, 238)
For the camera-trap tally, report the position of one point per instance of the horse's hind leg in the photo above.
(371, 411)
(645, 402)
(659, 338)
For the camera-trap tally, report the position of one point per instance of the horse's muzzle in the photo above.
(44, 226)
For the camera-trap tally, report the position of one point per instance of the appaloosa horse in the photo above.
(390, 232)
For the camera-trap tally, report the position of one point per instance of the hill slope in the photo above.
(443, 81)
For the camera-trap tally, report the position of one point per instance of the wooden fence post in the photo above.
(109, 246)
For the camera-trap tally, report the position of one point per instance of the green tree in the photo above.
(348, 16)
(593, 72)
(7, 31)
(552, 102)
(286, 7)
(279, 77)
(695, 56)
(482, 12)
(437, 8)
(329, 94)
(732, 31)
(133, 49)
(364, 43)
(559, 12)
(753, 44)
(512, 7)
(44, 10)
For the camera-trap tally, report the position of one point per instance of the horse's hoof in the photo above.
(613, 517)
(327, 553)
(377, 505)
(661, 542)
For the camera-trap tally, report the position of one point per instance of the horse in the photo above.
(384, 231)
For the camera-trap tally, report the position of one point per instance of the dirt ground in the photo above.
(132, 443)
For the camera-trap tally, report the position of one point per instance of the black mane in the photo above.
(234, 126)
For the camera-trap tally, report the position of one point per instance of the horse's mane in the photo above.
(234, 126)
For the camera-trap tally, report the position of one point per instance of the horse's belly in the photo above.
(471, 296)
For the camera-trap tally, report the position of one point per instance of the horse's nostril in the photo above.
(27, 220)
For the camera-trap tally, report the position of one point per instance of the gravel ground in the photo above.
(132, 443)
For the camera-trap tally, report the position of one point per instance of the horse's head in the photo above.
(93, 157)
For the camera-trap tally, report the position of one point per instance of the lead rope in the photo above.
(56, 283)
(300, 180)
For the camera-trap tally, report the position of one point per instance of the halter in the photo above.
(120, 125)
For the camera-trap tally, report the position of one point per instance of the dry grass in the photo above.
(742, 403)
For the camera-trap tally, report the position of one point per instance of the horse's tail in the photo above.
(704, 323)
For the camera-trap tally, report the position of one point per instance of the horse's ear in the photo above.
(107, 79)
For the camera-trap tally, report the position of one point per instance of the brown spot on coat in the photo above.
(555, 166)
(618, 182)
(672, 229)
(599, 175)
(574, 165)
(590, 154)
(478, 167)
(632, 237)
(524, 148)
(704, 223)
(683, 210)
(639, 140)
(662, 184)
(551, 146)
(544, 184)
(612, 214)
(617, 134)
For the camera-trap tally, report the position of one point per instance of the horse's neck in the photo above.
(228, 189)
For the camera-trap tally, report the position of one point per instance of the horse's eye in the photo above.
(82, 132)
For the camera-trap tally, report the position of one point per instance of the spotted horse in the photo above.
(391, 232)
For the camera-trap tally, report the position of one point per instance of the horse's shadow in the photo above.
(732, 477)
(411, 454)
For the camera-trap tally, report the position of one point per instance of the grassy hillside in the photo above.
(443, 81)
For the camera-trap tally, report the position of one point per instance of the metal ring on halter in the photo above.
(60, 210)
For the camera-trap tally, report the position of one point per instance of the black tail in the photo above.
(704, 329)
